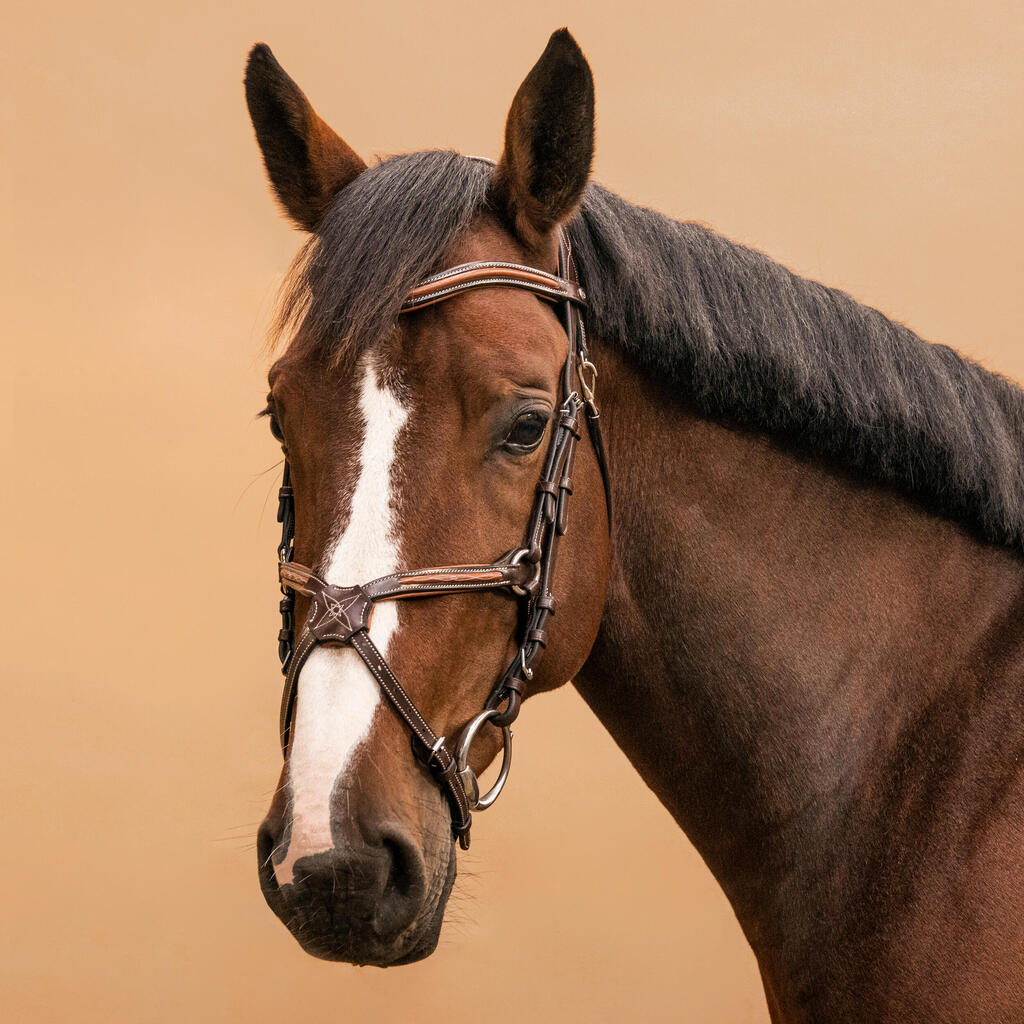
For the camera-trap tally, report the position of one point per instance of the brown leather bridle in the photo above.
(341, 615)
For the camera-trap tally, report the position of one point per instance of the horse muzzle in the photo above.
(372, 904)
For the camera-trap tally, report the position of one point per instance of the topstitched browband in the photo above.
(341, 615)
(450, 282)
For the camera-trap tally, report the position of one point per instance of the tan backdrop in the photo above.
(877, 146)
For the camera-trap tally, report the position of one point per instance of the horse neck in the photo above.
(774, 632)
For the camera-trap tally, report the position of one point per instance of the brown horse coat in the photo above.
(807, 634)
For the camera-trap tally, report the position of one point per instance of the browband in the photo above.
(444, 285)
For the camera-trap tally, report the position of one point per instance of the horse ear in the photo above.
(549, 141)
(306, 161)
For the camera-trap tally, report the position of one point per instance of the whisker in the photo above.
(255, 480)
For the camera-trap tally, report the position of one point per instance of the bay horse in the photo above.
(805, 627)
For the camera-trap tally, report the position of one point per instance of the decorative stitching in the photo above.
(553, 292)
(462, 268)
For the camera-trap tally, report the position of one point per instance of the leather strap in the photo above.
(432, 750)
(341, 615)
(485, 273)
(336, 613)
(442, 579)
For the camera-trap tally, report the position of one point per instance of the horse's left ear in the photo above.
(549, 142)
(307, 162)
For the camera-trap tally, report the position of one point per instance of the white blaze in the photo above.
(337, 696)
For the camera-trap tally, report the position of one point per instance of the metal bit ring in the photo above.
(468, 776)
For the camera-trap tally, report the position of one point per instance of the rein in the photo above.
(341, 615)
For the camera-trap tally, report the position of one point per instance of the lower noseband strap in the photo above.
(340, 615)
(432, 750)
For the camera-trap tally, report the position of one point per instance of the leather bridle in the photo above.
(341, 615)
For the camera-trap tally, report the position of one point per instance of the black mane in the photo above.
(743, 337)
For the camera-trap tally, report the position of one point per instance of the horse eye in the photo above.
(526, 433)
(275, 427)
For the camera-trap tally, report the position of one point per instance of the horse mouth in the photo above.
(346, 925)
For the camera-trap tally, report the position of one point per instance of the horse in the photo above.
(800, 614)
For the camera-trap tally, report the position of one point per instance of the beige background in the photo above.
(877, 146)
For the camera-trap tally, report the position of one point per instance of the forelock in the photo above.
(383, 233)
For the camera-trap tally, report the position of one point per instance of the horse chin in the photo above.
(342, 946)
(331, 931)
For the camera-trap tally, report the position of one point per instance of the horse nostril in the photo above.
(266, 843)
(404, 889)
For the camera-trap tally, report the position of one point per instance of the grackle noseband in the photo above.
(341, 615)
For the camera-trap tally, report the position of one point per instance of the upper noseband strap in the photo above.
(450, 579)
(441, 579)
(340, 615)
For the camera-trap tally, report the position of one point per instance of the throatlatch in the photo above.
(341, 615)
